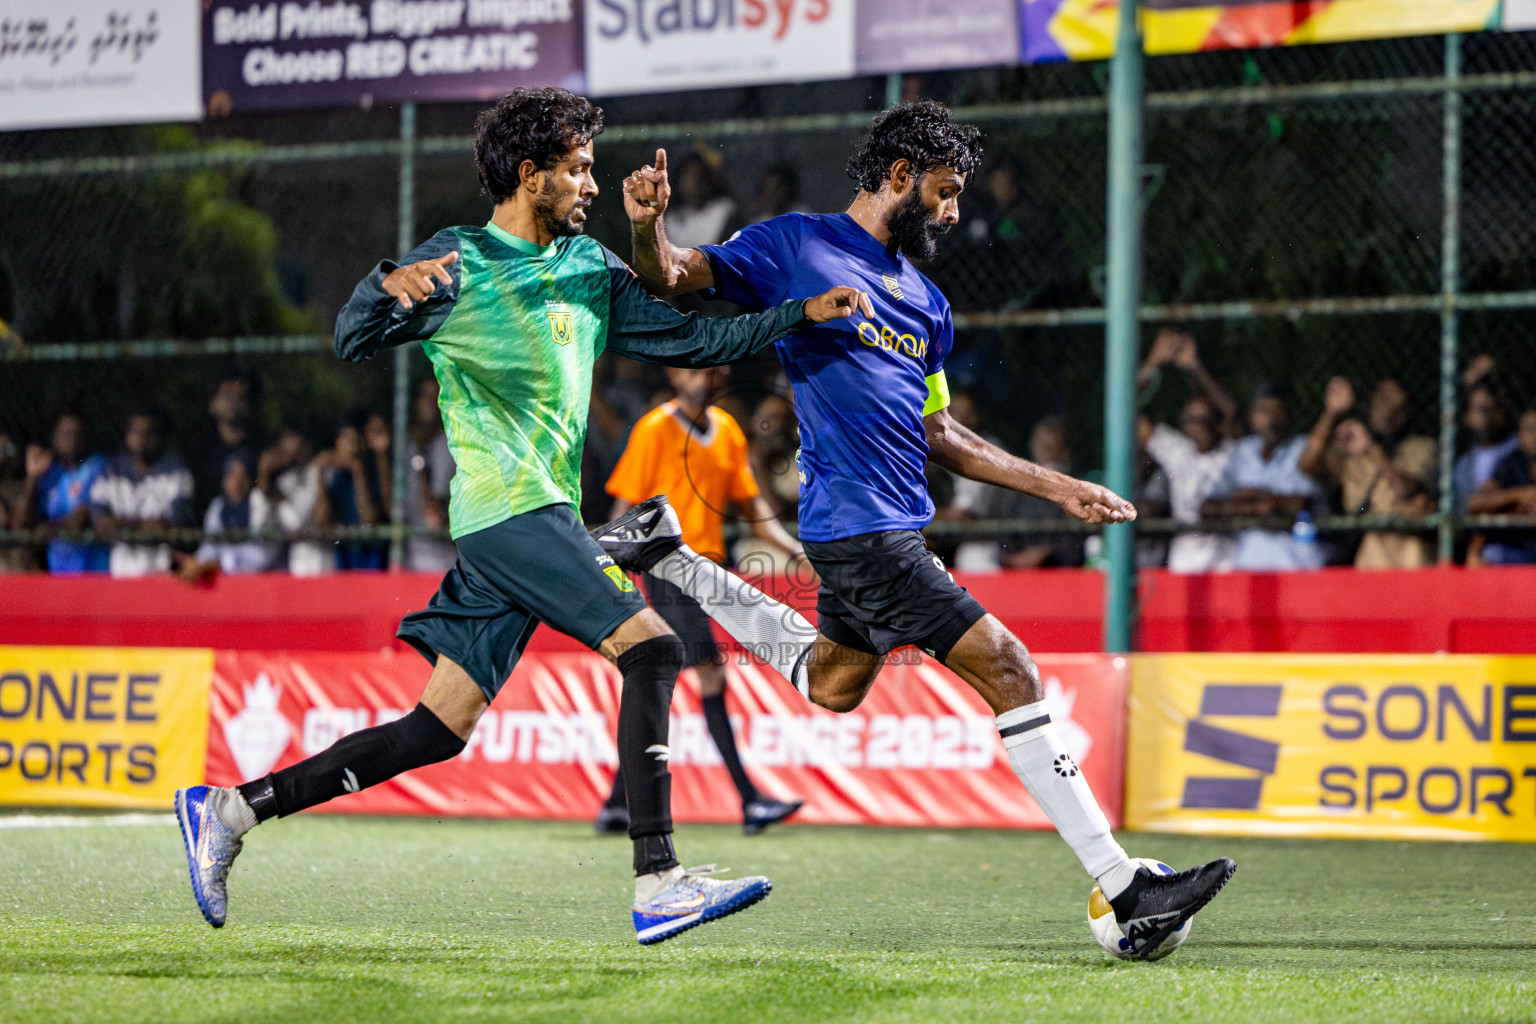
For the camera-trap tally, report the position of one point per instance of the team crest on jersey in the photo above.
(621, 581)
(892, 285)
(559, 325)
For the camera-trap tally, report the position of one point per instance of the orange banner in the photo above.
(921, 751)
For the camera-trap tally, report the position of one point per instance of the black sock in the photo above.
(650, 671)
(616, 794)
(720, 729)
(654, 854)
(357, 761)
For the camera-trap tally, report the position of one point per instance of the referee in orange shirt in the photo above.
(696, 454)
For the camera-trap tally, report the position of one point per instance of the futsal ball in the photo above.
(1101, 920)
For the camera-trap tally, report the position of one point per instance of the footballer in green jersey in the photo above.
(512, 316)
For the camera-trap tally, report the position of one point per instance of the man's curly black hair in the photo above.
(922, 132)
(530, 124)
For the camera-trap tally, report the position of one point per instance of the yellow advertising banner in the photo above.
(1366, 746)
(102, 726)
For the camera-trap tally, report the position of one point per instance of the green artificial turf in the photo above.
(339, 919)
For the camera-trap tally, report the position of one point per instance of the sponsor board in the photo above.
(638, 46)
(1519, 15)
(1380, 746)
(101, 726)
(924, 35)
(923, 750)
(275, 55)
(1086, 29)
(83, 62)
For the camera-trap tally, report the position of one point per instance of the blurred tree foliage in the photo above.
(150, 256)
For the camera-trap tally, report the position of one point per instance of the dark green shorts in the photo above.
(540, 566)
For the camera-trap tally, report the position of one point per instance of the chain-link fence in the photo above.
(1300, 203)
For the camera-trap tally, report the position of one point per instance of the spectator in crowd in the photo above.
(355, 479)
(429, 469)
(13, 485)
(778, 192)
(701, 209)
(1264, 479)
(233, 406)
(289, 477)
(58, 492)
(1153, 497)
(1012, 252)
(144, 488)
(1487, 419)
(775, 441)
(1379, 468)
(240, 506)
(1196, 455)
(1050, 447)
(1511, 491)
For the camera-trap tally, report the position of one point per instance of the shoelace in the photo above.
(704, 871)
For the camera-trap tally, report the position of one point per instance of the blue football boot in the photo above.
(211, 845)
(691, 898)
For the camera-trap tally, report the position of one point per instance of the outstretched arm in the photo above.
(663, 268)
(643, 327)
(960, 450)
(400, 303)
(1338, 400)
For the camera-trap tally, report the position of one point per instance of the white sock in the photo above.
(774, 632)
(234, 810)
(648, 887)
(1042, 763)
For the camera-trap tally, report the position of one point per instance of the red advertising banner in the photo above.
(921, 751)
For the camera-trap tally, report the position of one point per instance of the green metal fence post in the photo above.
(404, 244)
(1126, 115)
(1450, 273)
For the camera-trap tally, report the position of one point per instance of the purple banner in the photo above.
(279, 56)
(923, 35)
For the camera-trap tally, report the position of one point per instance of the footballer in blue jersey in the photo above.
(872, 402)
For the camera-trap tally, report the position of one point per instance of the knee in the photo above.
(840, 702)
(656, 660)
(423, 737)
(1017, 671)
(1010, 669)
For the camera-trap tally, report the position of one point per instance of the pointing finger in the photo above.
(661, 161)
(866, 306)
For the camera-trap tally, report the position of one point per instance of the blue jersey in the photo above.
(862, 386)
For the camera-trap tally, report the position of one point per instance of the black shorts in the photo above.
(688, 620)
(540, 566)
(881, 591)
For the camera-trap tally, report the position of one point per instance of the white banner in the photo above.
(1519, 14)
(643, 46)
(83, 62)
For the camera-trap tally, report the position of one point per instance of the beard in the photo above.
(546, 207)
(912, 233)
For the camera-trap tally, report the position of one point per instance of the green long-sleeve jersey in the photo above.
(512, 342)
